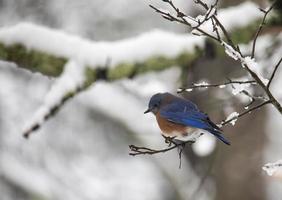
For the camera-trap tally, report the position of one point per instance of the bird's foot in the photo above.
(169, 140)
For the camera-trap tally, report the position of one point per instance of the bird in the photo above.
(181, 119)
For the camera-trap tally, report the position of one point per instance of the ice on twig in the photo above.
(271, 168)
(233, 116)
(222, 86)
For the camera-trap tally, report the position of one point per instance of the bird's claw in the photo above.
(168, 140)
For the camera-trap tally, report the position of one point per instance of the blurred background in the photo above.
(82, 153)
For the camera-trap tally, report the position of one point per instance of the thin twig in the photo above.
(230, 82)
(144, 150)
(260, 28)
(229, 40)
(181, 19)
(224, 122)
(273, 73)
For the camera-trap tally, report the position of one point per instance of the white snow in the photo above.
(211, 12)
(192, 21)
(255, 67)
(136, 49)
(238, 88)
(239, 16)
(230, 51)
(236, 16)
(233, 116)
(272, 168)
(231, 17)
(200, 84)
(72, 78)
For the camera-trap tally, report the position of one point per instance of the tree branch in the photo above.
(218, 85)
(237, 53)
(260, 28)
(274, 72)
(136, 150)
(224, 122)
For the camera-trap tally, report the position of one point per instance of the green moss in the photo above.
(33, 60)
(121, 70)
(90, 76)
(156, 63)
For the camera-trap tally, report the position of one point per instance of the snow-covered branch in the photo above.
(51, 52)
(216, 85)
(248, 62)
(232, 50)
(272, 168)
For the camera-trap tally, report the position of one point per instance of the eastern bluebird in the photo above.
(181, 119)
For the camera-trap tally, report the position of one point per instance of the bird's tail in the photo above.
(219, 135)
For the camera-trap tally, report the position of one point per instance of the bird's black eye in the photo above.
(156, 105)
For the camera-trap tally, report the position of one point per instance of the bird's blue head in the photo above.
(155, 103)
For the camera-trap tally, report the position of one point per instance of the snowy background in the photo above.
(82, 153)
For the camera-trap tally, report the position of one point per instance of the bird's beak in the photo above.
(149, 110)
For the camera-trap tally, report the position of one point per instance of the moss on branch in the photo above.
(32, 60)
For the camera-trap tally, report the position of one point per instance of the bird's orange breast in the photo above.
(170, 128)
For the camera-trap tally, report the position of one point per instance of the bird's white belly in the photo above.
(191, 134)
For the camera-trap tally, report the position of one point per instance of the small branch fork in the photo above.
(217, 27)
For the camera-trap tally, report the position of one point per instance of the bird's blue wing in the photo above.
(181, 114)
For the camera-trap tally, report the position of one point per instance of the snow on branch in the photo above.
(94, 54)
(127, 57)
(232, 50)
(70, 82)
(272, 168)
(217, 85)
(58, 47)
(216, 33)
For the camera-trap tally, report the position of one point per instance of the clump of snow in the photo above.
(222, 86)
(271, 168)
(233, 116)
(230, 51)
(72, 78)
(238, 88)
(205, 145)
(203, 83)
(189, 89)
